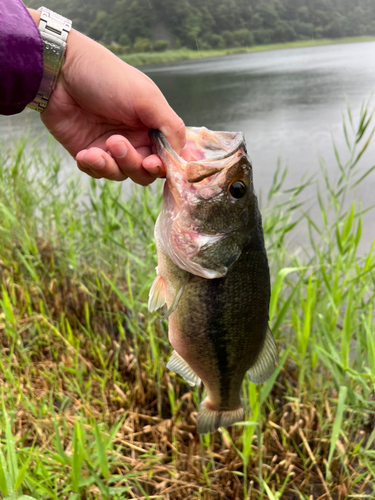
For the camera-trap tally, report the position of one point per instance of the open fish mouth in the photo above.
(204, 145)
(205, 154)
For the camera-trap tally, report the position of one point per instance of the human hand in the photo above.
(101, 111)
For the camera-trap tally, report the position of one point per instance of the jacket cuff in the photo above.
(21, 57)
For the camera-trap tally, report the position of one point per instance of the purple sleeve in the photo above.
(21, 57)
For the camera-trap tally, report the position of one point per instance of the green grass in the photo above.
(89, 410)
(140, 59)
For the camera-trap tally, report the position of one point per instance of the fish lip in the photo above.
(175, 175)
(162, 146)
(155, 136)
(159, 140)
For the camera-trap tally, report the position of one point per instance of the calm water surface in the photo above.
(289, 104)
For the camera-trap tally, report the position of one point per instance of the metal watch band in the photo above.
(54, 30)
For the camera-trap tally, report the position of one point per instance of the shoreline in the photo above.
(146, 58)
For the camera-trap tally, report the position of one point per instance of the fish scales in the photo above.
(213, 273)
(230, 328)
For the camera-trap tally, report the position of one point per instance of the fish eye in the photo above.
(237, 189)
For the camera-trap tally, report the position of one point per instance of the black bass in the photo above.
(213, 272)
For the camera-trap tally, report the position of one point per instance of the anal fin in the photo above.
(266, 361)
(177, 364)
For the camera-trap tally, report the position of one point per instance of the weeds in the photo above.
(89, 410)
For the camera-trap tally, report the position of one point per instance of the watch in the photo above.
(54, 30)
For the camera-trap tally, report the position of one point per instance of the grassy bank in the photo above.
(88, 409)
(183, 54)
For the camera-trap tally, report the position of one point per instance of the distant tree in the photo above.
(142, 44)
(216, 41)
(370, 28)
(225, 16)
(244, 37)
(136, 18)
(228, 38)
(284, 32)
(318, 32)
(119, 49)
(335, 28)
(214, 23)
(303, 14)
(269, 17)
(319, 18)
(303, 29)
(124, 40)
(263, 36)
(256, 22)
(160, 45)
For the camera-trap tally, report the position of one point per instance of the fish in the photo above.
(213, 272)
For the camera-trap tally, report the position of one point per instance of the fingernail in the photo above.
(80, 155)
(119, 149)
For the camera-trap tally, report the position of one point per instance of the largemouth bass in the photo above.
(213, 272)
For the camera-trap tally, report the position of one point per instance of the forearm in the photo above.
(21, 56)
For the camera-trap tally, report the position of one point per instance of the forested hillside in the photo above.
(207, 24)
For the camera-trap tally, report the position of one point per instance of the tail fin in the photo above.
(210, 420)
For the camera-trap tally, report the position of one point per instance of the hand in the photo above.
(101, 111)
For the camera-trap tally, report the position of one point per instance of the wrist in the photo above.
(54, 30)
(35, 14)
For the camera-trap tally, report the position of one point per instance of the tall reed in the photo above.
(88, 408)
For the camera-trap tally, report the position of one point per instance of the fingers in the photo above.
(175, 133)
(172, 127)
(155, 112)
(99, 164)
(120, 161)
(154, 166)
(129, 159)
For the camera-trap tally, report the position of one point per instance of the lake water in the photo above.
(289, 104)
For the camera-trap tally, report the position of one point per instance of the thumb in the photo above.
(156, 113)
(175, 132)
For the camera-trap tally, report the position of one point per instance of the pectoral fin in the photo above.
(157, 295)
(177, 297)
(266, 361)
(158, 292)
(177, 364)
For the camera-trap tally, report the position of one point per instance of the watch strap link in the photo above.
(54, 30)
